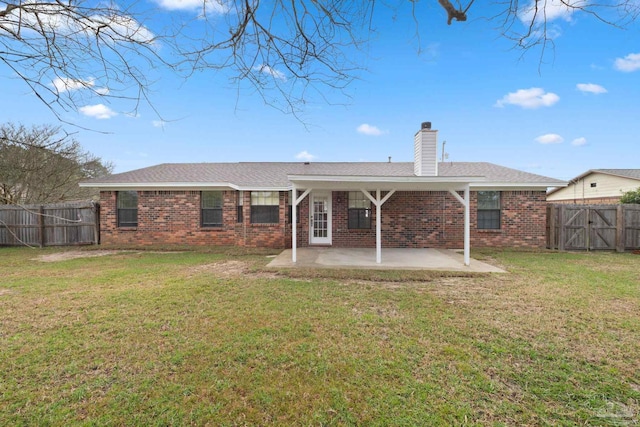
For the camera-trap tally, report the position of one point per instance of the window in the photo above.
(239, 204)
(594, 184)
(488, 210)
(359, 210)
(265, 207)
(127, 208)
(211, 208)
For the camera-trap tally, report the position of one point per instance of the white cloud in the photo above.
(206, 6)
(64, 84)
(591, 88)
(550, 138)
(121, 28)
(98, 111)
(158, 123)
(579, 141)
(111, 23)
(305, 155)
(270, 71)
(629, 63)
(366, 129)
(534, 97)
(549, 10)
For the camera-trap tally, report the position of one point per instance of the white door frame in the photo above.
(325, 195)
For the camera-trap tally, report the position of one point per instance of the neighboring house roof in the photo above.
(274, 175)
(622, 173)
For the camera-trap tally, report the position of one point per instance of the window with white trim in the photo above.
(265, 207)
(127, 208)
(359, 216)
(211, 208)
(489, 211)
(239, 204)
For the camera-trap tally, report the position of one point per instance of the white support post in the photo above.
(294, 219)
(378, 204)
(378, 228)
(467, 227)
(467, 219)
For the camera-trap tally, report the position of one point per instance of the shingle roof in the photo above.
(627, 173)
(493, 173)
(274, 174)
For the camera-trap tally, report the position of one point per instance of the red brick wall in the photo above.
(173, 217)
(523, 221)
(409, 219)
(412, 219)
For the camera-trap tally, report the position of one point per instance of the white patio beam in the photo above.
(294, 220)
(467, 217)
(378, 203)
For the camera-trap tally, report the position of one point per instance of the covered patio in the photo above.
(385, 187)
(394, 259)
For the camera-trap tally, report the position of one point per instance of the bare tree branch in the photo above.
(291, 52)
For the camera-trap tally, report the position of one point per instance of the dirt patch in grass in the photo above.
(5, 292)
(67, 255)
(229, 268)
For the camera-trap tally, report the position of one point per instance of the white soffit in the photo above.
(401, 183)
(169, 186)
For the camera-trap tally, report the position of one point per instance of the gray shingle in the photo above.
(627, 173)
(274, 174)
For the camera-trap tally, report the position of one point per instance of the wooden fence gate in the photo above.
(62, 224)
(593, 227)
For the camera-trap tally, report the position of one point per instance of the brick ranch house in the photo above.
(420, 204)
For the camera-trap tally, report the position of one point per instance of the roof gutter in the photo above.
(145, 186)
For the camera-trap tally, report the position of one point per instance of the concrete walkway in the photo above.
(392, 259)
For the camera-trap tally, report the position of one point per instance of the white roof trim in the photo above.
(142, 186)
(387, 179)
(519, 185)
(400, 183)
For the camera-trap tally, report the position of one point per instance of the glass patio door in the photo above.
(320, 233)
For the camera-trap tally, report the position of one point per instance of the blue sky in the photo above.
(576, 110)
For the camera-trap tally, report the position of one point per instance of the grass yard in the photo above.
(196, 338)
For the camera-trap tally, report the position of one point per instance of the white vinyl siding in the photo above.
(607, 186)
(425, 156)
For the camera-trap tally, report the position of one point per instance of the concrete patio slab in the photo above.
(392, 259)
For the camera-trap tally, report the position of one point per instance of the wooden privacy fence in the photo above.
(593, 227)
(61, 224)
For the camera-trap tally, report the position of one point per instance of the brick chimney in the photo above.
(425, 155)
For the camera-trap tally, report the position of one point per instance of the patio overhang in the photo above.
(383, 183)
(388, 184)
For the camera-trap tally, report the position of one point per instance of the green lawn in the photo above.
(196, 338)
